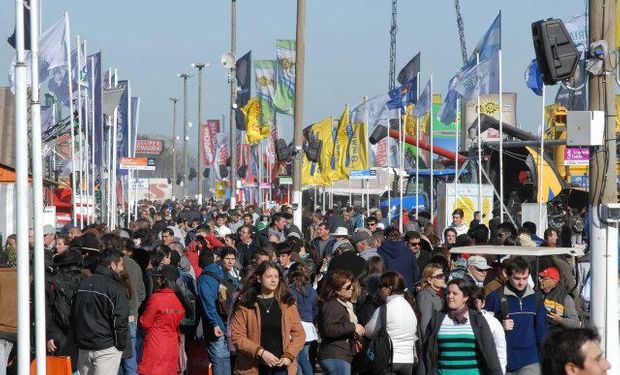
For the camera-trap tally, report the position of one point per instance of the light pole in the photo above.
(185, 137)
(233, 106)
(174, 143)
(300, 53)
(200, 66)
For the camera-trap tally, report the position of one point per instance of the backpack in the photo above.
(64, 292)
(378, 353)
(226, 295)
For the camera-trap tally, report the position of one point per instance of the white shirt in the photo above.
(499, 337)
(223, 231)
(401, 327)
(463, 229)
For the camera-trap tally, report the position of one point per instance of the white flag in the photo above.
(423, 106)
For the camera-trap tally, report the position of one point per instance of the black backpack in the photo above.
(64, 292)
(378, 353)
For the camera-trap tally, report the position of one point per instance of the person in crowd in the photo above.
(550, 238)
(523, 316)
(362, 241)
(561, 310)
(308, 308)
(371, 224)
(479, 234)
(476, 220)
(399, 258)
(400, 323)
(477, 269)
(275, 229)
(370, 283)
(266, 328)
(62, 244)
(476, 302)
(459, 340)
(315, 219)
(323, 241)
(235, 221)
(8, 313)
(382, 222)
(504, 231)
(247, 246)
(337, 323)
(228, 260)
(413, 240)
(167, 236)
(573, 351)
(191, 233)
(161, 319)
(458, 224)
(221, 228)
(99, 317)
(283, 250)
(430, 298)
(449, 236)
(500, 277)
(529, 229)
(345, 258)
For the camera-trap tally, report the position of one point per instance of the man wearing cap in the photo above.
(477, 269)
(345, 258)
(362, 241)
(560, 306)
(49, 238)
(340, 234)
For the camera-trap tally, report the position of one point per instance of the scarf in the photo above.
(349, 306)
(459, 316)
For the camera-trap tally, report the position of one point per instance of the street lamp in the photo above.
(200, 66)
(174, 142)
(185, 77)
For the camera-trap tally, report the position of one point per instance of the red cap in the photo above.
(551, 272)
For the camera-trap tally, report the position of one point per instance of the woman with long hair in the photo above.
(161, 319)
(370, 298)
(338, 324)
(308, 308)
(459, 339)
(266, 328)
(400, 323)
(431, 294)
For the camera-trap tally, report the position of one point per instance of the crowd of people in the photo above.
(189, 288)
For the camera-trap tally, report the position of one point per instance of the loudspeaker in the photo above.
(556, 54)
(242, 172)
(223, 171)
(192, 174)
(206, 173)
(313, 149)
(282, 151)
(378, 134)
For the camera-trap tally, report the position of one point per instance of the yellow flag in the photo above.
(311, 173)
(410, 128)
(254, 130)
(336, 170)
(322, 131)
(551, 185)
(356, 157)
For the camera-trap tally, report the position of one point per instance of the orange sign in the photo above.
(139, 164)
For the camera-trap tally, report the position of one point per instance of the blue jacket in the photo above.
(307, 302)
(208, 288)
(530, 324)
(397, 257)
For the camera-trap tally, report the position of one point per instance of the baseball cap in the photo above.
(478, 262)
(551, 272)
(359, 237)
(49, 229)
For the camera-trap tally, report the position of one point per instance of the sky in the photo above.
(347, 47)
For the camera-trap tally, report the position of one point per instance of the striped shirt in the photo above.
(457, 349)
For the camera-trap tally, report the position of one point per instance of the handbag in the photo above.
(54, 365)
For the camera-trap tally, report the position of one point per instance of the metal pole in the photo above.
(456, 160)
(37, 193)
(603, 191)
(401, 159)
(200, 192)
(185, 137)
(233, 107)
(114, 157)
(174, 144)
(540, 160)
(72, 125)
(80, 122)
(501, 139)
(417, 149)
(432, 155)
(479, 147)
(93, 131)
(21, 196)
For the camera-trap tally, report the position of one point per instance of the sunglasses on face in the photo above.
(414, 244)
(481, 270)
(439, 276)
(372, 224)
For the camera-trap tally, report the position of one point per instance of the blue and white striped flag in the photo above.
(424, 102)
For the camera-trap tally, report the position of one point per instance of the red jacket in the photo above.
(160, 320)
(193, 251)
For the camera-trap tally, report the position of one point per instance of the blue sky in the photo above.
(347, 46)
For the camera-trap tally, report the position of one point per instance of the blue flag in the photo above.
(122, 126)
(94, 70)
(533, 78)
(403, 95)
(424, 102)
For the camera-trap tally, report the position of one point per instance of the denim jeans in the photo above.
(139, 343)
(304, 367)
(219, 356)
(336, 367)
(129, 366)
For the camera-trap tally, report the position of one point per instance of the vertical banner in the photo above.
(135, 107)
(208, 134)
(222, 141)
(284, 100)
(265, 71)
(122, 126)
(243, 75)
(95, 72)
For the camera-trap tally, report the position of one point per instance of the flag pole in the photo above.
(87, 146)
(479, 145)
(432, 179)
(71, 122)
(37, 192)
(129, 176)
(113, 196)
(417, 151)
(365, 99)
(501, 140)
(80, 122)
(93, 138)
(456, 159)
(21, 195)
(540, 160)
(401, 158)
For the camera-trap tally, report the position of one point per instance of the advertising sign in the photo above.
(137, 164)
(155, 189)
(363, 174)
(576, 156)
(149, 147)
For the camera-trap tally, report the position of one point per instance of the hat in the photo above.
(551, 272)
(49, 229)
(359, 237)
(167, 272)
(478, 262)
(89, 243)
(341, 232)
(293, 234)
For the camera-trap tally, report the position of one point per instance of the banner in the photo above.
(208, 134)
(222, 142)
(122, 125)
(94, 72)
(135, 110)
(149, 147)
(410, 71)
(265, 89)
(243, 76)
(284, 100)
(254, 131)
(356, 151)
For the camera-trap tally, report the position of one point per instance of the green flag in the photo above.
(284, 101)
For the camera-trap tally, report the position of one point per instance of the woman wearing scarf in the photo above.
(430, 298)
(338, 324)
(459, 340)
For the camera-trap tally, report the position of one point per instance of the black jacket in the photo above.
(336, 331)
(100, 312)
(485, 346)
